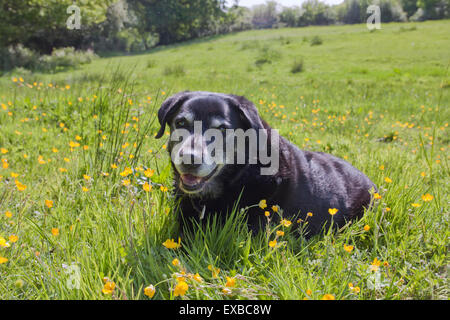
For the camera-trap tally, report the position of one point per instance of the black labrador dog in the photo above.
(300, 182)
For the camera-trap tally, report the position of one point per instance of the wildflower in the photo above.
(149, 173)
(427, 197)
(3, 150)
(416, 205)
(49, 203)
(109, 287)
(366, 227)
(20, 186)
(275, 208)
(126, 172)
(114, 166)
(231, 282)
(180, 289)
(3, 260)
(332, 211)
(375, 265)
(308, 292)
(381, 167)
(84, 189)
(13, 238)
(3, 243)
(176, 262)
(226, 291)
(376, 196)
(126, 182)
(280, 233)
(387, 180)
(149, 291)
(328, 297)
(8, 214)
(171, 244)
(285, 223)
(356, 290)
(197, 278)
(215, 271)
(146, 187)
(55, 231)
(262, 204)
(309, 214)
(163, 189)
(272, 243)
(348, 248)
(267, 213)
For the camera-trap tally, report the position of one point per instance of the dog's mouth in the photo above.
(193, 183)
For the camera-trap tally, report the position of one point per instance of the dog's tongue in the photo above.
(190, 180)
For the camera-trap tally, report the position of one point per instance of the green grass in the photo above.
(379, 99)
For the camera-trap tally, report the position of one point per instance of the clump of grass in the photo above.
(316, 41)
(297, 66)
(406, 29)
(176, 70)
(266, 55)
(151, 64)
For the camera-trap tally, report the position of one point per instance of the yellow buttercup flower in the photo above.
(285, 223)
(231, 282)
(171, 244)
(109, 287)
(3, 260)
(49, 203)
(348, 248)
(262, 204)
(332, 211)
(55, 232)
(149, 291)
(146, 187)
(180, 289)
(272, 243)
(427, 197)
(328, 297)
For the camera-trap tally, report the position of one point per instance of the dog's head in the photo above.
(192, 116)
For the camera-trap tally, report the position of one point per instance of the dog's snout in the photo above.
(191, 160)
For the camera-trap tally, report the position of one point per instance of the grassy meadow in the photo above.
(86, 210)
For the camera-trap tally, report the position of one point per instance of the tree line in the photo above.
(138, 25)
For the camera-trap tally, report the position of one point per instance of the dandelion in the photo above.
(332, 211)
(427, 197)
(149, 291)
(171, 244)
(180, 289)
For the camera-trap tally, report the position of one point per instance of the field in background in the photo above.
(85, 189)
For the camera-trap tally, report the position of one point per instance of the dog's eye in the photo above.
(180, 123)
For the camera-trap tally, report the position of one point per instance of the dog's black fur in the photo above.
(306, 181)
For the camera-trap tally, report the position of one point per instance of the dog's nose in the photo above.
(191, 161)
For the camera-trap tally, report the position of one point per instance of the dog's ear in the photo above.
(168, 109)
(248, 112)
